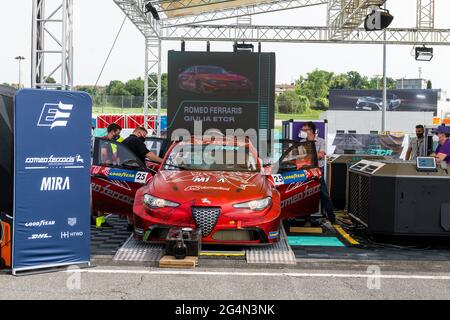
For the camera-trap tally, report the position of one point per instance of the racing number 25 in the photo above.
(141, 177)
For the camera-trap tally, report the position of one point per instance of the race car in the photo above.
(117, 174)
(213, 79)
(236, 200)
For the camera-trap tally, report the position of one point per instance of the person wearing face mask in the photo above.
(308, 133)
(136, 143)
(442, 152)
(109, 156)
(108, 151)
(417, 144)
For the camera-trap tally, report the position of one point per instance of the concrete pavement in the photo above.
(430, 281)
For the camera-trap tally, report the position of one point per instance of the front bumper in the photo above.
(231, 228)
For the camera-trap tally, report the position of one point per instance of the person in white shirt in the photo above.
(308, 133)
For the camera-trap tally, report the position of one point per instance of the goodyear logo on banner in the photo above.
(290, 177)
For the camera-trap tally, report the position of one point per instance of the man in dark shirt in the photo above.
(136, 143)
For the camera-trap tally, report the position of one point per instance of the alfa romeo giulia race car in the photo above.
(237, 202)
(221, 187)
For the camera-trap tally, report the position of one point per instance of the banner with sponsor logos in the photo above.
(372, 144)
(52, 179)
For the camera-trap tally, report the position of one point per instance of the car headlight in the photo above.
(156, 203)
(255, 205)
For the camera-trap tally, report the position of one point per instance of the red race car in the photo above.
(213, 79)
(236, 202)
(117, 174)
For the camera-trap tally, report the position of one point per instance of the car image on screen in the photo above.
(209, 79)
(375, 103)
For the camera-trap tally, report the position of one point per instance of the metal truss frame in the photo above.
(135, 11)
(305, 34)
(61, 14)
(425, 14)
(152, 86)
(346, 15)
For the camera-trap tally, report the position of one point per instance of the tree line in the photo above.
(133, 87)
(311, 91)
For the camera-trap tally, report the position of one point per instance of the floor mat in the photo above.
(315, 241)
(134, 250)
(278, 253)
(106, 241)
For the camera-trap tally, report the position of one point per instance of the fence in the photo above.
(121, 104)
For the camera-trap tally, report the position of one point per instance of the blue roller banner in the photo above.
(51, 179)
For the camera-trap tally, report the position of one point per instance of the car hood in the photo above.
(216, 187)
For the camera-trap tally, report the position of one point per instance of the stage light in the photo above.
(424, 53)
(183, 46)
(248, 47)
(150, 8)
(378, 19)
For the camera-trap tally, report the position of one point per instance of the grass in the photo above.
(108, 109)
(310, 115)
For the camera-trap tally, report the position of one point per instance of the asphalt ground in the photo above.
(308, 282)
(400, 275)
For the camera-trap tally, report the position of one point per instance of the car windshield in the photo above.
(211, 157)
(211, 70)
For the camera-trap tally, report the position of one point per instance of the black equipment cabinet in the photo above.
(6, 148)
(393, 198)
(6, 173)
(337, 176)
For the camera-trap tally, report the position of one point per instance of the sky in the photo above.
(97, 22)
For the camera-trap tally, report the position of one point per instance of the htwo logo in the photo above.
(55, 115)
(69, 234)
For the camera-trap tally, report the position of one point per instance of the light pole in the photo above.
(20, 58)
(383, 111)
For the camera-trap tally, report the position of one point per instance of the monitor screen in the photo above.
(426, 163)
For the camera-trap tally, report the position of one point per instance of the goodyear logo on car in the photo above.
(128, 175)
(273, 234)
(289, 177)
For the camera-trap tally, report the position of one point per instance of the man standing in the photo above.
(136, 143)
(308, 133)
(108, 154)
(417, 144)
(442, 152)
